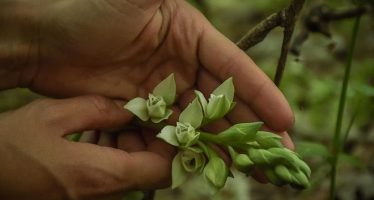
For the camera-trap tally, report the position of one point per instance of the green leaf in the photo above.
(268, 140)
(239, 133)
(217, 107)
(179, 175)
(168, 135)
(312, 149)
(166, 89)
(227, 89)
(166, 116)
(202, 100)
(192, 114)
(138, 107)
(216, 172)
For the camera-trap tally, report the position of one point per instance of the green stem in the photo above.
(337, 141)
(208, 137)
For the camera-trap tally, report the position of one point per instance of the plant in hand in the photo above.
(248, 147)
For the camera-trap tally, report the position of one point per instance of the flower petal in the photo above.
(227, 89)
(192, 114)
(202, 100)
(179, 175)
(166, 116)
(168, 135)
(138, 107)
(166, 89)
(216, 172)
(218, 107)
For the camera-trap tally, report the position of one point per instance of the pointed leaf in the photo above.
(179, 175)
(138, 107)
(166, 89)
(168, 135)
(202, 100)
(217, 107)
(227, 89)
(216, 172)
(192, 114)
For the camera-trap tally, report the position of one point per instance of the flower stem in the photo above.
(337, 141)
(209, 137)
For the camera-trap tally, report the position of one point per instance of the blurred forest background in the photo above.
(312, 84)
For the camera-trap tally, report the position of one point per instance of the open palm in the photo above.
(122, 49)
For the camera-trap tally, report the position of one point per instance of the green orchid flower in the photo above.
(157, 107)
(185, 134)
(187, 161)
(220, 101)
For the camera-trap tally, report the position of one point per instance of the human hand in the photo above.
(38, 163)
(122, 49)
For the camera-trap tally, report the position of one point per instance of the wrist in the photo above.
(18, 43)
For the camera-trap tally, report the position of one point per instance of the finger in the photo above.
(224, 59)
(287, 141)
(109, 170)
(85, 113)
(130, 141)
(89, 137)
(107, 139)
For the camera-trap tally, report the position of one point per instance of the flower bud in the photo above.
(186, 134)
(156, 106)
(273, 178)
(263, 157)
(243, 163)
(193, 160)
(282, 172)
(216, 172)
(217, 107)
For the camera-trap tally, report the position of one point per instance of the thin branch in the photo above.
(285, 18)
(292, 13)
(261, 30)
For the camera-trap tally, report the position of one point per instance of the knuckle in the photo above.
(101, 104)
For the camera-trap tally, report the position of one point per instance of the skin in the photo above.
(116, 50)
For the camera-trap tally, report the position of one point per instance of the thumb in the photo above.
(86, 113)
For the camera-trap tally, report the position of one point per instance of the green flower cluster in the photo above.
(247, 145)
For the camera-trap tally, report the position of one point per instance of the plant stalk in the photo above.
(337, 141)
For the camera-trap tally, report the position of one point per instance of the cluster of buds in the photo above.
(248, 147)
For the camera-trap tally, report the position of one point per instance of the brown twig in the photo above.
(260, 31)
(292, 13)
(285, 18)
